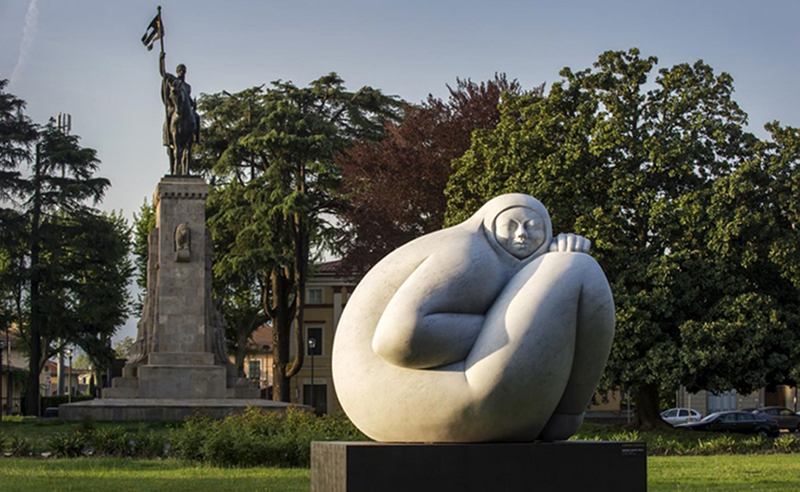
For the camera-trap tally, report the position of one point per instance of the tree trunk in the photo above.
(241, 350)
(281, 315)
(34, 324)
(648, 411)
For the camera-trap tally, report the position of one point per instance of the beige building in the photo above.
(15, 363)
(75, 380)
(326, 296)
(15, 367)
(258, 360)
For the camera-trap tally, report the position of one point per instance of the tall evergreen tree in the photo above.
(269, 153)
(17, 136)
(64, 265)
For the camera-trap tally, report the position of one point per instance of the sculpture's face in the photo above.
(520, 231)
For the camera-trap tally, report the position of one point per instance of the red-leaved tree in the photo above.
(395, 187)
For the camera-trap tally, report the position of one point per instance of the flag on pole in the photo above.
(154, 32)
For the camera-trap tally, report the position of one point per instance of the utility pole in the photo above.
(69, 393)
(64, 123)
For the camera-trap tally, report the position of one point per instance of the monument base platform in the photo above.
(531, 467)
(157, 409)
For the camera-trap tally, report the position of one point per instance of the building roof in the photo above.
(262, 336)
(329, 267)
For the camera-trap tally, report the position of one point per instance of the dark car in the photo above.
(785, 418)
(742, 422)
(50, 412)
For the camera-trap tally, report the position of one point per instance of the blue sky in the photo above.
(85, 57)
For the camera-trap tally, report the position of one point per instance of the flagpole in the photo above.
(163, 61)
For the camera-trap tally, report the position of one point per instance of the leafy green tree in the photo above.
(88, 281)
(143, 223)
(18, 136)
(269, 154)
(123, 347)
(81, 361)
(64, 265)
(238, 290)
(637, 166)
(751, 338)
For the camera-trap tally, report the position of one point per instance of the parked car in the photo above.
(50, 412)
(785, 418)
(677, 416)
(742, 422)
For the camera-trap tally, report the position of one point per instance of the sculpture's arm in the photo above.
(435, 316)
(426, 341)
(570, 243)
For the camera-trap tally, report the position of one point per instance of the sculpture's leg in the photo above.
(594, 334)
(543, 347)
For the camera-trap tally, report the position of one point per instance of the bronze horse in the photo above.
(183, 127)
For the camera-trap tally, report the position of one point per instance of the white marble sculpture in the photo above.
(487, 331)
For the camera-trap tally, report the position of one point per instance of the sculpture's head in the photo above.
(180, 70)
(519, 230)
(517, 224)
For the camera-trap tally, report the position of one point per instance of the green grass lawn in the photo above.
(121, 475)
(724, 473)
(759, 473)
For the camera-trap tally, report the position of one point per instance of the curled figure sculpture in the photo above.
(491, 330)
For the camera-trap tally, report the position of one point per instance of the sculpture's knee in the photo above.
(579, 274)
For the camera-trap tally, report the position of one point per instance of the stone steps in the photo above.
(120, 392)
(124, 382)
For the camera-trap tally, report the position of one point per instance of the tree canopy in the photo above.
(65, 266)
(394, 188)
(269, 155)
(654, 170)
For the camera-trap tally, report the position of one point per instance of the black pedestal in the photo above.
(509, 467)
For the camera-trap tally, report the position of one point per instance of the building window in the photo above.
(314, 296)
(320, 399)
(254, 369)
(314, 337)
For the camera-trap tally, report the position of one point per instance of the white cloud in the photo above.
(28, 32)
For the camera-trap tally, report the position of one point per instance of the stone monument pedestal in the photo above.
(180, 353)
(564, 466)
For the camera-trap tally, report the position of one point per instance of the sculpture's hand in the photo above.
(570, 243)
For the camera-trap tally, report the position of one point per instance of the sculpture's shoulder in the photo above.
(439, 262)
(451, 245)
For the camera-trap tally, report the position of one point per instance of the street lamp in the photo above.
(69, 384)
(2, 346)
(266, 371)
(9, 382)
(311, 345)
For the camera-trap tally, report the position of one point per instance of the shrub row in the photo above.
(255, 438)
(56, 400)
(680, 443)
(259, 438)
(86, 441)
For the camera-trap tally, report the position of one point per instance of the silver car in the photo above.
(677, 416)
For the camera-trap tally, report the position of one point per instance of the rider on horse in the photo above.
(175, 88)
